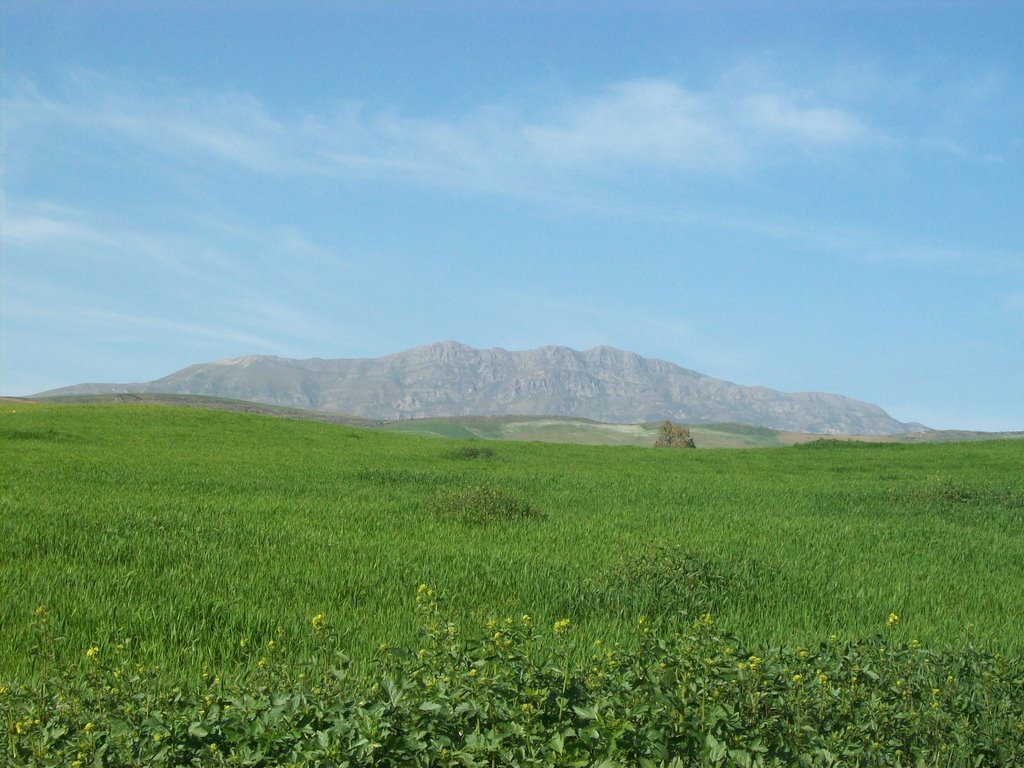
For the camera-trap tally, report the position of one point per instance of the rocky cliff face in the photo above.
(451, 379)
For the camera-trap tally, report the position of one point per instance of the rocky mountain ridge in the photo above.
(452, 379)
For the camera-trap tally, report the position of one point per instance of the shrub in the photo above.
(673, 436)
(472, 452)
(481, 504)
(662, 579)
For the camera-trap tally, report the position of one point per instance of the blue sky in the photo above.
(805, 196)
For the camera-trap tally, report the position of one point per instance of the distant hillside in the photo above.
(451, 379)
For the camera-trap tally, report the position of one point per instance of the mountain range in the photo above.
(452, 379)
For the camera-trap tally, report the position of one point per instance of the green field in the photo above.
(193, 536)
(190, 529)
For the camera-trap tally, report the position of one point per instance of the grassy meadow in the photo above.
(193, 537)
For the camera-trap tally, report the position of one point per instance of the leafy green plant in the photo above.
(500, 696)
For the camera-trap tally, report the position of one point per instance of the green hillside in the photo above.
(584, 602)
(191, 529)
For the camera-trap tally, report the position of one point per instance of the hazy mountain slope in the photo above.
(451, 379)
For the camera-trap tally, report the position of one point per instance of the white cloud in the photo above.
(35, 229)
(630, 124)
(646, 122)
(817, 125)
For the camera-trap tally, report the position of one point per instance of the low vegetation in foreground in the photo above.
(187, 587)
(500, 696)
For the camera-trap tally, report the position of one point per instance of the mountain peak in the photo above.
(243, 362)
(449, 346)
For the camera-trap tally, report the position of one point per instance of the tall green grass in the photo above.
(187, 532)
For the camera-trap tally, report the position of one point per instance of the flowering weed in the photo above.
(496, 697)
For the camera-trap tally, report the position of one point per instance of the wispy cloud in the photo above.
(37, 228)
(550, 152)
(236, 282)
(64, 234)
(639, 123)
(813, 124)
(647, 122)
(161, 118)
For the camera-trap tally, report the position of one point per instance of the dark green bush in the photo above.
(480, 504)
(660, 579)
(472, 452)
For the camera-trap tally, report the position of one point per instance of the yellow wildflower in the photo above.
(561, 626)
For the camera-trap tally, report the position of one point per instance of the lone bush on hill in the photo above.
(673, 436)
